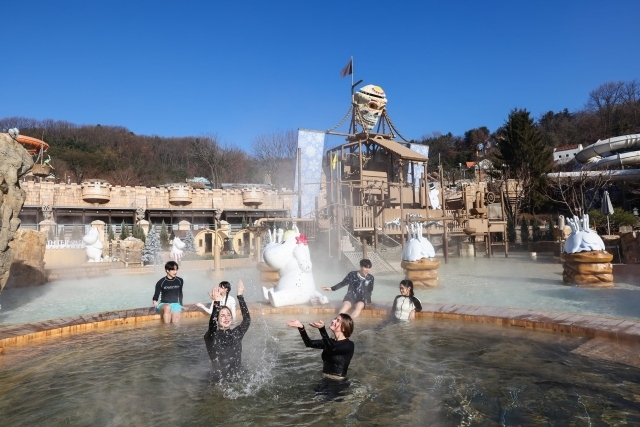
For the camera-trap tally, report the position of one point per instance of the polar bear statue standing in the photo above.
(93, 245)
(291, 258)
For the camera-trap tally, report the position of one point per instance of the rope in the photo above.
(343, 120)
(393, 126)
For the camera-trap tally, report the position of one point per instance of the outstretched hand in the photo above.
(215, 293)
(240, 287)
(295, 323)
(317, 324)
(326, 288)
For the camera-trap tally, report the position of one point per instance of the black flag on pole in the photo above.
(348, 69)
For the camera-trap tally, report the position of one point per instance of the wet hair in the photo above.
(227, 286)
(365, 263)
(346, 324)
(408, 284)
(171, 265)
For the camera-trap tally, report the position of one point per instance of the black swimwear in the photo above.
(170, 289)
(336, 355)
(360, 288)
(225, 346)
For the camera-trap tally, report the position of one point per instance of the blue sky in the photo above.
(244, 68)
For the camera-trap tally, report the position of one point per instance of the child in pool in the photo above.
(406, 304)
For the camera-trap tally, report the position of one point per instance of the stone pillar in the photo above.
(47, 225)
(99, 225)
(145, 226)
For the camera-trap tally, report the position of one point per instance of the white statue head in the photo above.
(91, 237)
(371, 101)
(582, 238)
(178, 244)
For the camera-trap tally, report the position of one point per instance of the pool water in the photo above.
(518, 281)
(428, 372)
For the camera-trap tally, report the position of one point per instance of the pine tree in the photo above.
(138, 232)
(511, 230)
(535, 230)
(189, 244)
(124, 233)
(110, 234)
(164, 236)
(528, 157)
(151, 254)
(75, 233)
(524, 231)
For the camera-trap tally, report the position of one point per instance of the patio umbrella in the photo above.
(606, 208)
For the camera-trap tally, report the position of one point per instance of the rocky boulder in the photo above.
(14, 162)
(28, 261)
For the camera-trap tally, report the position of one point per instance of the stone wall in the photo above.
(149, 198)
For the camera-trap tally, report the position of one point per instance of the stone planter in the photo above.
(588, 269)
(422, 272)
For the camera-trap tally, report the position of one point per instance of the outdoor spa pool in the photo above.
(429, 372)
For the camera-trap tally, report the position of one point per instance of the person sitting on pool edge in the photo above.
(169, 290)
(360, 289)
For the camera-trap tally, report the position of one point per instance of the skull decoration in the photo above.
(370, 101)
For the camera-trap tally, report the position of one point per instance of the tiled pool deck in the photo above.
(589, 326)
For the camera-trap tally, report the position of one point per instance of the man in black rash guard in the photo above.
(336, 353)
(169, 290)
(360, 288)
(224, 345)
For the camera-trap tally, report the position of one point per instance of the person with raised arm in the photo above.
(226, 300)
(224, 344)
(336, 352)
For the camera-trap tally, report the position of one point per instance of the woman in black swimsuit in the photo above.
(336, 352)
(224, 345)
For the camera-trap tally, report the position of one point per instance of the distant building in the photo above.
(562, 155)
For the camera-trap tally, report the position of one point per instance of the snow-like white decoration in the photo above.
(582, 238)
(417, 247)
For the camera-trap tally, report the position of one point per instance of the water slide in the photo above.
(607, 155)
(611, 153)
(34, 144)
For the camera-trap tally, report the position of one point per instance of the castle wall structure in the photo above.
(96, 199)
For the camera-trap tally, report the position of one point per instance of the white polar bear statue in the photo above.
(93, 245)
(290, 256)
(582, 238)
(176, 249)
(417, 247)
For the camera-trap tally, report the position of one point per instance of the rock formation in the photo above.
(28, 261)
(14, 162)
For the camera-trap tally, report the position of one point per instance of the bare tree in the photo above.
(605, 100)
(208, 151)
(577, 191)
(275, 152)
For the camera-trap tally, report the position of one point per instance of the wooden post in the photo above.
(363, 240)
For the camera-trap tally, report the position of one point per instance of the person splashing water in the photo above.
(224, 344)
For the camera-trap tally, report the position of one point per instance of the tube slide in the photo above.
(612, 152)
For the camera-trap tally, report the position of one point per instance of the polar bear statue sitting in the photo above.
(177, 249)
(418, 247)
(291, 258)
(93, 245)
